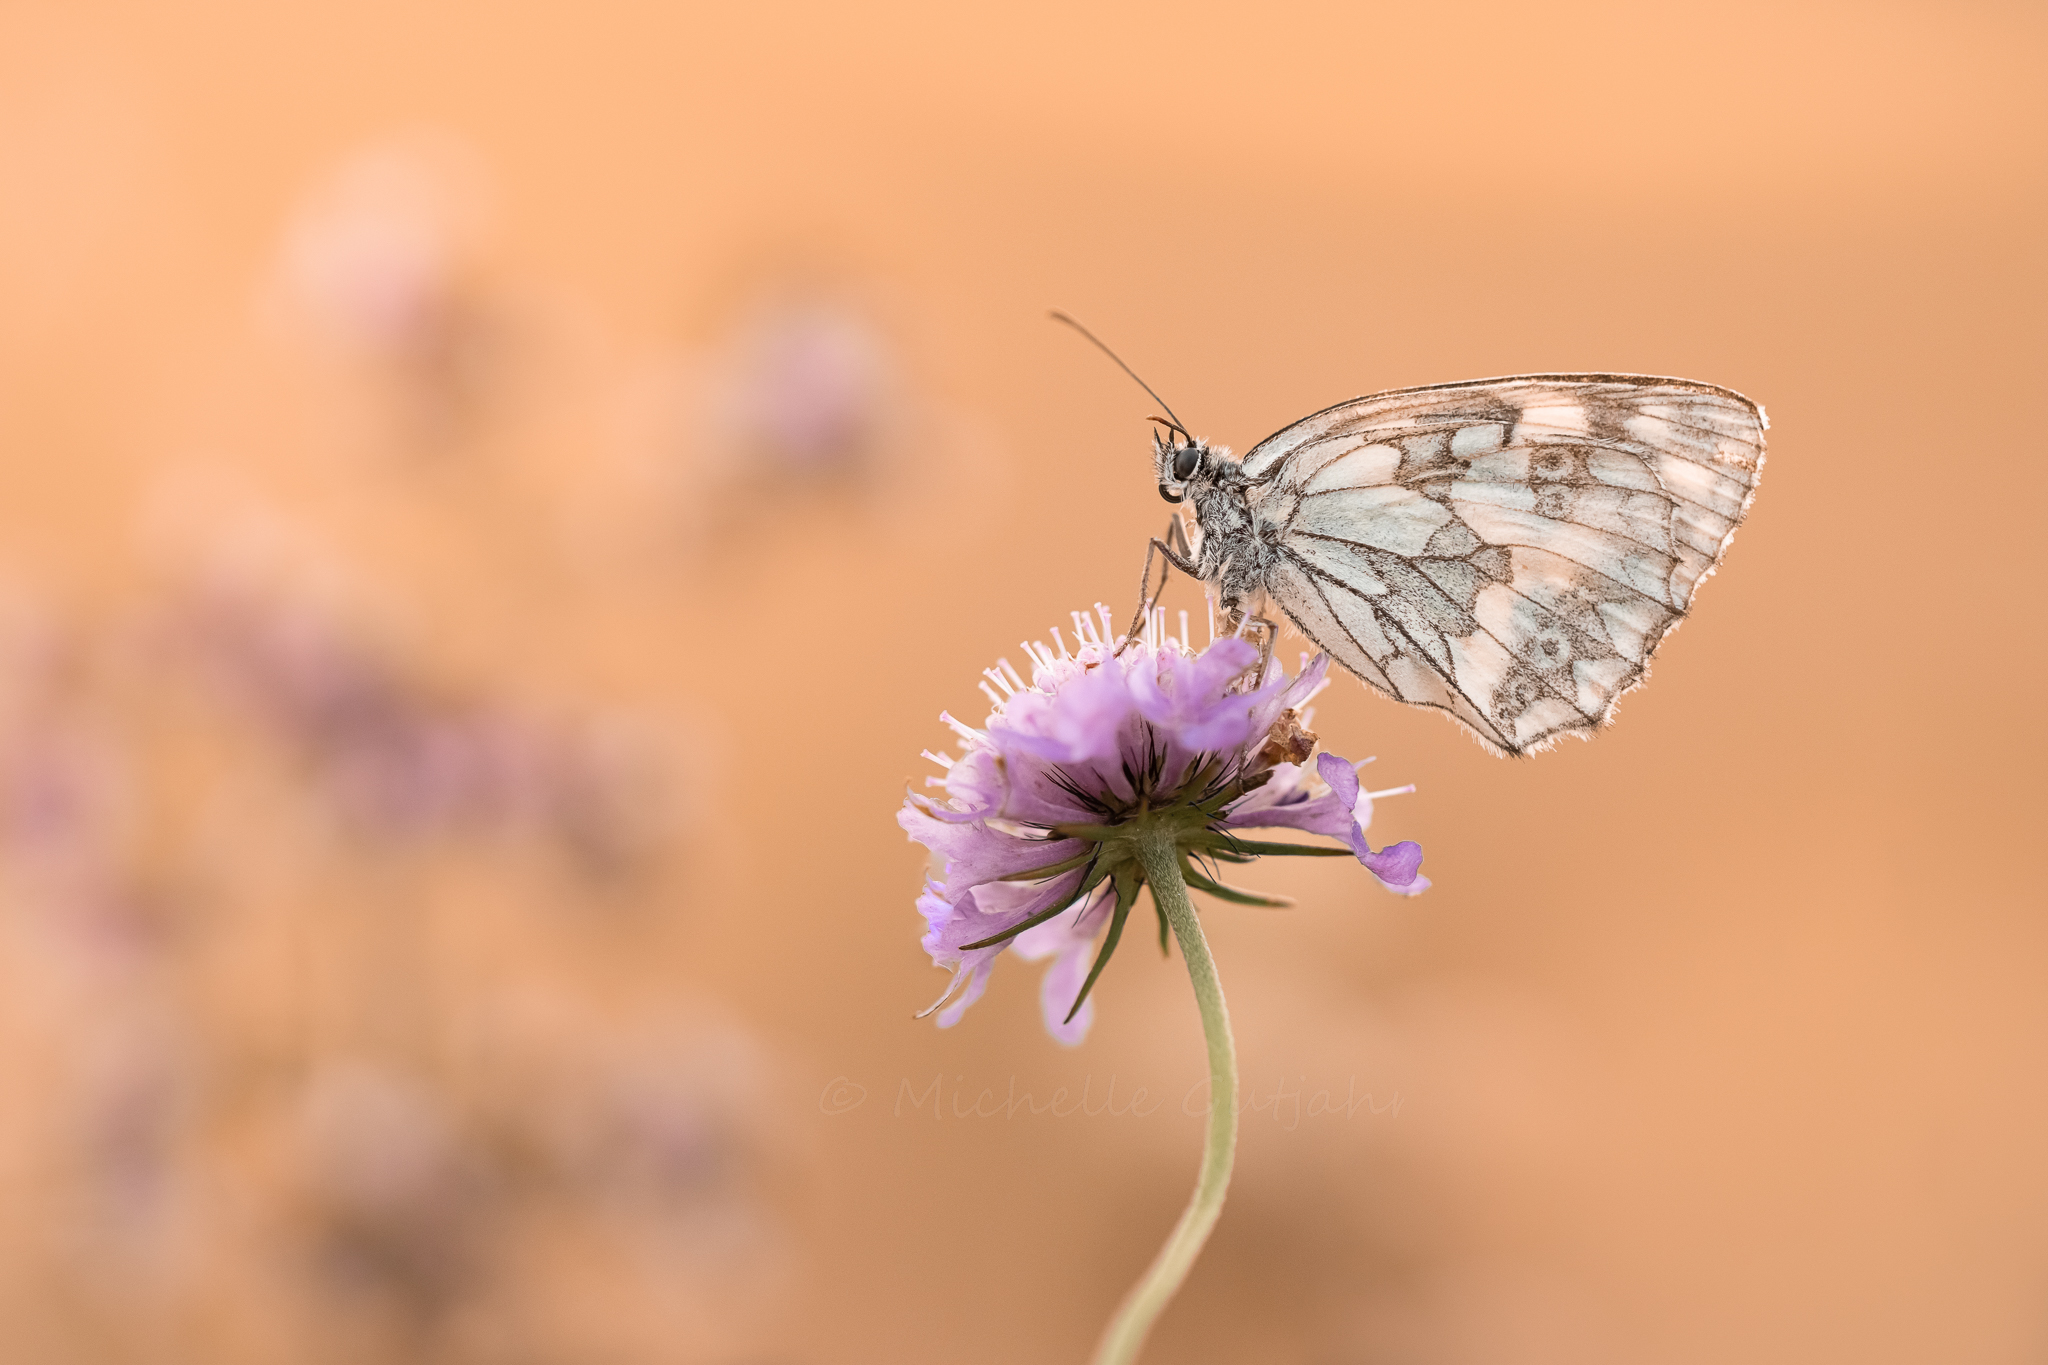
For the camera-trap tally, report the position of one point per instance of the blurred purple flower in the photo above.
(402, 759)
(400, 1195)
(807, 389)
(378, 251)
(380, 259)
(1037, 831)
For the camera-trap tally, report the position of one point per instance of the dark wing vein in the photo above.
(1506, 545)
(1314, 574)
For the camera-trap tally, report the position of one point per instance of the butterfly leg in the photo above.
(1147, 597)
(1269, 634)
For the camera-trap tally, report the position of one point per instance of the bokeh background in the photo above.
(493, 499)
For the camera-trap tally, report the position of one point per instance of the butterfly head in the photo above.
(1180, 462)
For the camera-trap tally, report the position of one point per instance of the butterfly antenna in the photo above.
(1058, 316)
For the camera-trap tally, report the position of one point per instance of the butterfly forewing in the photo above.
(1509, 550)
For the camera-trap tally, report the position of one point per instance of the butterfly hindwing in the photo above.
(1513, 550)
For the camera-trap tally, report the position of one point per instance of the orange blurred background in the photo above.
(497, 496)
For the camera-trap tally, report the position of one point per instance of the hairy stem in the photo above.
(1126, 1334)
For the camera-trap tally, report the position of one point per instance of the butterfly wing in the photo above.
(1511, 551)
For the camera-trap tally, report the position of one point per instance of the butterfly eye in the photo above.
(1185, 461)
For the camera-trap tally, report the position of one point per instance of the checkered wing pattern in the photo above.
(1513, 550)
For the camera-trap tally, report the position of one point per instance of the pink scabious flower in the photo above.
(1043, 809)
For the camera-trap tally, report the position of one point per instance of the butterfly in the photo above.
(1509, 551)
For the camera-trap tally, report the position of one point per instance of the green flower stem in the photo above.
(1158, 852)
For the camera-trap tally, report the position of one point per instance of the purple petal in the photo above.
(1399, 867)
(1070, 941)
(1186, 697)
(1081, 722)
(990, 909)
(973, 852)
(1288, 694)
(1056, 992)
(1016, 787)
(1284, 803)
(1341, 775)
(1302, 688)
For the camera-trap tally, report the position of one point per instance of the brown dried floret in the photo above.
(1287, 741)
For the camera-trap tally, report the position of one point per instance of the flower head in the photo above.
(1043, 808)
